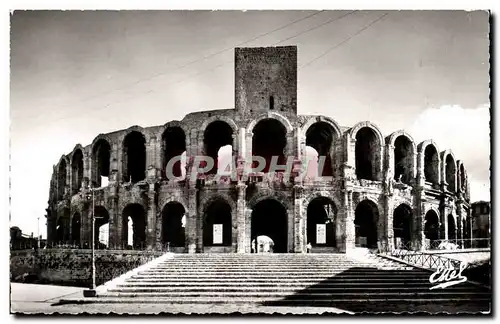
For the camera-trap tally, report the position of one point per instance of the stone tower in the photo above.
(266, 80)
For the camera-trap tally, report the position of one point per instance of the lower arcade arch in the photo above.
(101, 227)
(173, 232)
(269, 218)
(321, 219)
(217, 224)
(365, 223)
(76, 225)
(134, 221)
(402, 226)
(452, 229)
(431, 226)
(62, 227)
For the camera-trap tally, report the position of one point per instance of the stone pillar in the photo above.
(299, 220)
(419, 236)
(291, 229)
(350, 231)
(390, 161)
(151, 219)
(191, 222)
(199, 226)
(248, 230)
(115, 223)
(388, 224)
(240, 218)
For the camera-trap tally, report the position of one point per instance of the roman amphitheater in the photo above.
(377, 190)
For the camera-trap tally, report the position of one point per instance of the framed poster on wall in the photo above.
(217, 237)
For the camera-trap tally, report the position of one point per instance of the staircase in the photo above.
(333, 280)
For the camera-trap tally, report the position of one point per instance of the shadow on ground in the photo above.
(363, 289)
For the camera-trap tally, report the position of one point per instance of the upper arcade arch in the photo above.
(216, 135)
(62, 176)
(271, 115)
(101, 156)
(368, 150)
(134, 156)
(449, 169)
(173, 145)
(402, 161)
(429, 161)
(76, 170)
(322, 137)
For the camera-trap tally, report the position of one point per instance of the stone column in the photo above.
(248, 230)
(240, 218)
(191, 222)
(299, 220)
(350, 231)
(390, 161)
(419, 235)
(388, 224)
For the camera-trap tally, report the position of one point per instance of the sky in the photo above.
(75, 74)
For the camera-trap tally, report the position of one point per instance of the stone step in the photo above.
(308, 294)
(300, 289)
(266, 279)
(274, 275)
(142, 283)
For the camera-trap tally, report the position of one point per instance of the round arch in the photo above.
(173, 224)
(403, 160)
(431, 227)
(267, 194)
(368, 153)
(354, 130)
(391, 139)
(271, 115)
(447, 174)
(366, 219)
(212, 119)
(218, 215)
(321, 221)
(402, 225)
(324, 119)
(269, 218)
(429, 169)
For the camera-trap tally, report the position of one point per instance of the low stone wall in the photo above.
(73, 266)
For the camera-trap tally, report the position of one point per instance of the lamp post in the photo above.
(92, 291)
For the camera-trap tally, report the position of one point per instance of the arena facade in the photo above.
(376, 191)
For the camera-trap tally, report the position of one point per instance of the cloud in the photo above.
(467, 133)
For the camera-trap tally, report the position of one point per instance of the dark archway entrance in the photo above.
(403, 159)
(269, 218)
(134, 157)
(101, 153)
(431, 228)
(365, 222)
(134, 218)
(367, 154)
(321, 137)
(173, 145)
(101, 230)
(402, 226)
(75, 228)
(452, 229)
(269, 139)
(217, 225)
(217, 135)
(173, 228)
(77, 171)
(431, 164)
(321, 217)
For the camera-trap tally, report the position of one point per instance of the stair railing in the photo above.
(427, 260)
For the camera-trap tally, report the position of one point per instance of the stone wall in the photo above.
(73, 267)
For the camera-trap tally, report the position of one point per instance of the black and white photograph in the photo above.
(241, 162)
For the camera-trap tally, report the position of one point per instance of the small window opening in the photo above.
(271, 102)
